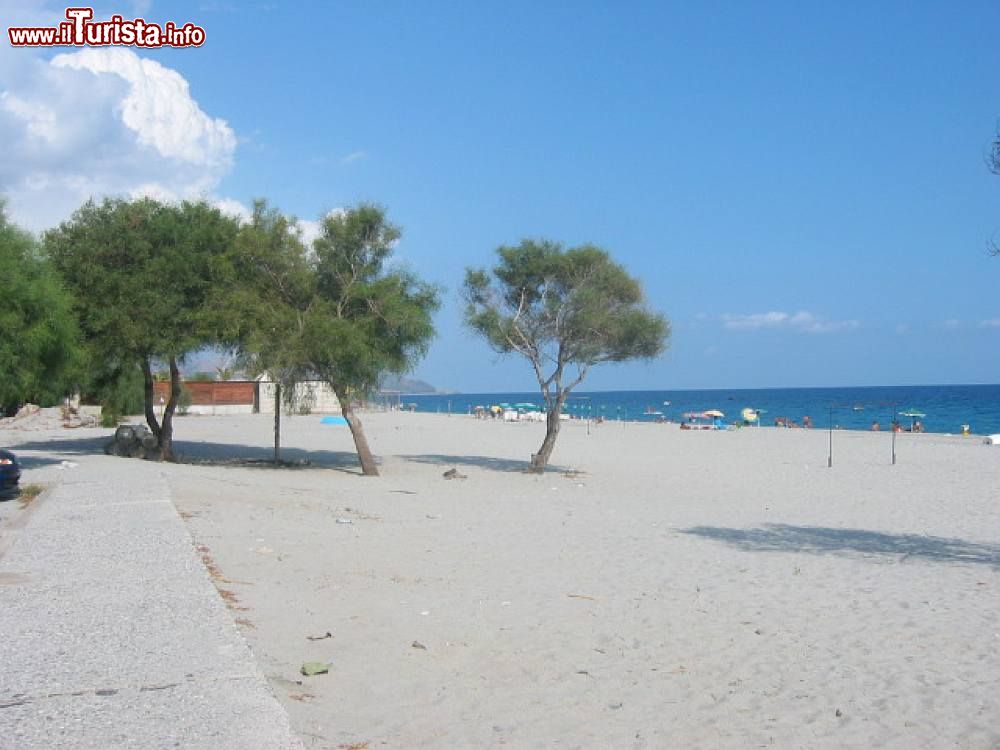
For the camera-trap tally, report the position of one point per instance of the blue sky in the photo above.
(802, 190)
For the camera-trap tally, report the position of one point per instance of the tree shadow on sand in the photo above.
(228, 454)
(62, 448)
(492, 463)
(819, 540)
(194, 452)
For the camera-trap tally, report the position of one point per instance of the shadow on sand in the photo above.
(63, 449)
(819, 540)
(194, 452)
(247, 456)
(483, 462)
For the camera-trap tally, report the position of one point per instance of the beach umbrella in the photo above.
(913, 414)
(714, 413)
(749, 415)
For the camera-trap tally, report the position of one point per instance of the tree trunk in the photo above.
(552, 424)
(368, 467)
(149, 397)
(277, 422)
(167, 428)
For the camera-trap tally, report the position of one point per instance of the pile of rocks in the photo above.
(133, 441)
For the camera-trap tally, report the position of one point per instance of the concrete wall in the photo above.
(317, 396)
(218, 409)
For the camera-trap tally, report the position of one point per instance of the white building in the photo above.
(311, 397)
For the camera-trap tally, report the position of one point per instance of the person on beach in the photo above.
(876, 426)
(807, 422)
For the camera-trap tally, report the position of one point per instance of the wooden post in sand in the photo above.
(893, 435)
(829, 458)
(277, 423)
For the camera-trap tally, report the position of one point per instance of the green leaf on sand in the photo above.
(311, 668)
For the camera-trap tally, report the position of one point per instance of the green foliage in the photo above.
(202, 377)
(561, 307)
(143, 272)
(338, 314)
(40, 353)
(184, 401)
(367, 319)
(270, 281)
(116, 385)
(145, 276)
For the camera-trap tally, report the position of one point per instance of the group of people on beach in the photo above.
(807, 422)
(917, 426)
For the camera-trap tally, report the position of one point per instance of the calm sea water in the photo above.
(947, 407)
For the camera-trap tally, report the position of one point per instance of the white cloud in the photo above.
(233, 208)
(354, 156)
(803, 321)
(158, 107)
(755, 321)
(309, 230)
(102, 122)
(990, 323)
(952, 324)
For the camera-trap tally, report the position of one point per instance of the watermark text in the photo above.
(81, 30)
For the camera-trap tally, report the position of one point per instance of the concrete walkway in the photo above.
(112, 635)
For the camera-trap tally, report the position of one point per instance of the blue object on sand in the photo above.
(333, 420)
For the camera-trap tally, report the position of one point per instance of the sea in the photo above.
(945, 408)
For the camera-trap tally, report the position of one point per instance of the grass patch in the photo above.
(28, 492)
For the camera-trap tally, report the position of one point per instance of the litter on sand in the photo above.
(311, 668)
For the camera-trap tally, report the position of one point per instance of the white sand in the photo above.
(716, 590)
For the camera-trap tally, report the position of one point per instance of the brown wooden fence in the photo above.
(239, 392)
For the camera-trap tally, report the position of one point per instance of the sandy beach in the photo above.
(655, 589)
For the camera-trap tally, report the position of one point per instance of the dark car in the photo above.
(10, 471)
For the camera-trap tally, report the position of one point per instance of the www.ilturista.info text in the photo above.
(81, 30)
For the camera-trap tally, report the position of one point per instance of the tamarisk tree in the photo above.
(565, 311)
(364, 318)
(144, 275)
(338, 313)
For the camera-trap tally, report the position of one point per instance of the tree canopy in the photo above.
(144, 276)
(40, 354)
(565, 311)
